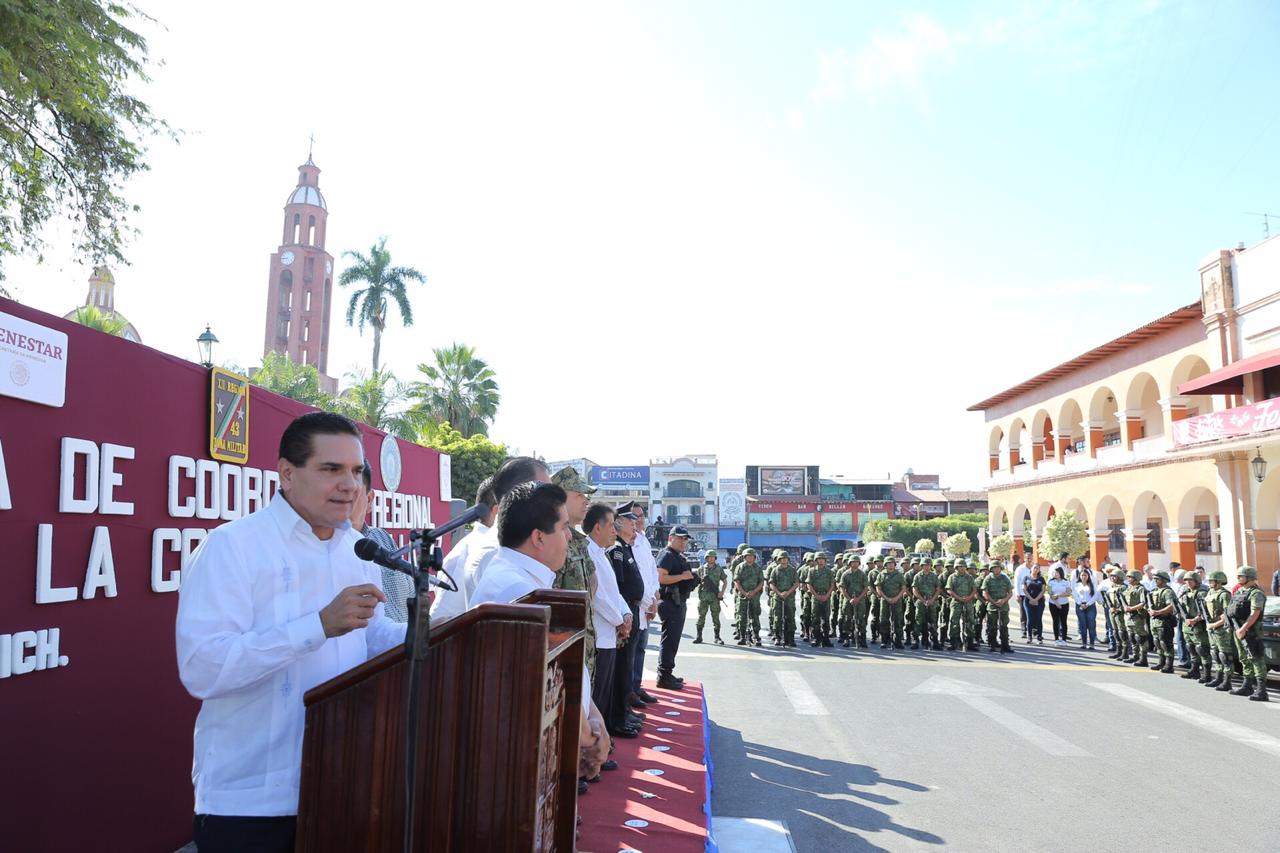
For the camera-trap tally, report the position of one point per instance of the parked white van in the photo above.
(882, 549)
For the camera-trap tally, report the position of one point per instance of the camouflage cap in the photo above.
(711, 554)
(778, 553)
(1135, 574)
(1191, 575)
(938, 561)
(854, 558)
(821, 555)
(808, 557)
(742, 548)
(1218, 575)
(750, 552)
(1117, 573)
(1164, 574)
(1247, 572)
(571, 481)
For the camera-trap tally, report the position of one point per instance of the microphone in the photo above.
(372, 552)
(475, 513)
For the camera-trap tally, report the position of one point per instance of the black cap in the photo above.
(679, 530)
(625, 510)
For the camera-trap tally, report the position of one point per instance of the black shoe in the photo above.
(1260, 695)
(758, 644)
(719, 642)
(697, 639)
(915, 647)
(1005, 650)
(670, 684)
(634, 721)
(624, 733)
(897, 644)
(742, 642)
(1244, 689)
(635, 702)
(583, 787)
(646, 696)
(609, 765)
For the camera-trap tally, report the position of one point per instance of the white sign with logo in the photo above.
(33, 362)
(389, 460)
(446, 478)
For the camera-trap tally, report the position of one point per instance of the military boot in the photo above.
(719, 642)
(1244, 689)
(1142, 661)
(1117, 652)
(698, 639)
(1159, 664)
(915, 645)
(1207, 676)
(1227, 677)
(1167, 669)
(1216, 680)
(1260, 695)
(741, 640)
(1194, 672)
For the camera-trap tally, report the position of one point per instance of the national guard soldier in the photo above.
(855, 590)
(1119, 625)
(733, 576)
(926, 591)
(1216, 604)
(805, 603)
(749, 584)
(979, 603)
(892, 589)
(1246, 618)
(711, 585)
(822, 583)
(836, 571)
(944, 606)
(785, 583)
(873, 601)
(997, 589)
(769, 568)
(1135, 615)
(961, 588)
(578, 572)
(909, 600)
(1193, 630)
(1162, 618)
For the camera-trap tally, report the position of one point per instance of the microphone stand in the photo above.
(416, 640)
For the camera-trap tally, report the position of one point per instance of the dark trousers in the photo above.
(672, 611)
(215, 833)
(637, 659)
(624, 658)
(602, 686)
(1059, 614)
(1035, 619)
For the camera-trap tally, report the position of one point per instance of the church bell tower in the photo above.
(300, 287)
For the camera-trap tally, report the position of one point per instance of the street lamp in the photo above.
(206, 341)
(1259, 467)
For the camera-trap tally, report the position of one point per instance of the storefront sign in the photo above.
(1229, 423)
(634, 475)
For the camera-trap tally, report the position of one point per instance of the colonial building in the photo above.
(102, 295)
(1163, 440)
(300, 283)
(683, 491)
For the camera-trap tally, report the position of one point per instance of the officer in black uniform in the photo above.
(631, 586)
(675, 581)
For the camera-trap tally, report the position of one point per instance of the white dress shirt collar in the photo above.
(289, 522)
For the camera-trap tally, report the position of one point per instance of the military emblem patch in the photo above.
(228, 416)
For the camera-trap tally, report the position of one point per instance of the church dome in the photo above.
(308, 195)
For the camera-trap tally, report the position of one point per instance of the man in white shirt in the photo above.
(450, 603)
(1148, 577)
(272, 605)
(484, 547)
(648, 564)
(610, 613)
(1020, 576)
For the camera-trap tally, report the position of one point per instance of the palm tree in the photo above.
(459, 389)
(385, 283)
(108, 322)
(377, 399)
(284, 376)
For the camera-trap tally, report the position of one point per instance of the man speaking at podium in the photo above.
(272, 605)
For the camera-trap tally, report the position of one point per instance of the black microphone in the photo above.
(372, 552)
(475, 513)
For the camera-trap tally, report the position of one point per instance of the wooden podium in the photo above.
(498, 744)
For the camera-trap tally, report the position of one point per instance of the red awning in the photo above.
(1230, 379)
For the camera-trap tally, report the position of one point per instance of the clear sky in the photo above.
(784, 233)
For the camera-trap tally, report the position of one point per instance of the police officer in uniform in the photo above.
(631, 587)
(675, 581)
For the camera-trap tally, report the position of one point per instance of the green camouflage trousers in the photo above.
(712, 604)
(1253, 661)
(962, 622)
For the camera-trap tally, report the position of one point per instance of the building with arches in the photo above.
(1162, 439)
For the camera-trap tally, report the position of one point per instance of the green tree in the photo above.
(957, 545)
(459, 389)
(70, 135)
(1001, 547)
(384, 284)
(472, 458)
(904, 531)
(94, 317)
(300, 382)
(923, 546)
(1064, 532)
(378, 400)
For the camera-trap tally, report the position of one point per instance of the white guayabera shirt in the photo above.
(250, 643)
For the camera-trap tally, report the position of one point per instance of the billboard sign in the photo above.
(782, 481)
(625, 475)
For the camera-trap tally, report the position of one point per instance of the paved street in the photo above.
(1047, 749)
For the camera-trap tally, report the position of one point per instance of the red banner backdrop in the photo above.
(107, 497)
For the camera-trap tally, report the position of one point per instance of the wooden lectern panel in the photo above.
(498, 742)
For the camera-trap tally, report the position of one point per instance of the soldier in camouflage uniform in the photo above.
(772, 597)
(785, 584)
(944, 606)
(1193, 630)
(891, 588)
(1135, 616)
(1163, 616)
(997, 588)
(980, 571)
(836, 571)
(711, 585)
(873, 601)
(1119, 625)
(804, 605)
(1246, 610)
(749, 584)
(926, 592)
(961, 589)
(822, 583)
(1216, 603)
(909, 600)
(733, 576)
(855, 590)
(578, 572)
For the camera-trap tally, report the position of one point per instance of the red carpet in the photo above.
(672, 804)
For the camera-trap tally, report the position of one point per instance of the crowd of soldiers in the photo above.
(917, 599)
(1213, 619)
(928, 601)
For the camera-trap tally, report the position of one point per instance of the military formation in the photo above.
(928, 603)
(1222, 630)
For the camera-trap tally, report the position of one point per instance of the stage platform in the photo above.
(659, 798)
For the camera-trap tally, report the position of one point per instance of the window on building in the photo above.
(306, 330)
(673, 513)
(303, 360)
(765, 522)
(297, 228)
(684, 489)
(695, 514)
(1204, 537)
(802, 522)
(837, 522)
(1079, 445)
(306, 301)
(1115, 541)
(1155, 535)
(311, 230)
(1110, 439)
(1271, 383)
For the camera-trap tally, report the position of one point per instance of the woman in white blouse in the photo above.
(1059, 604)
(1087, 594)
